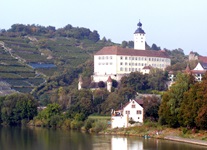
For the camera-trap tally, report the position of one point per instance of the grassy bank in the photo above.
(154, 130)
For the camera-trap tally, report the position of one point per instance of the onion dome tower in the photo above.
(139, 38)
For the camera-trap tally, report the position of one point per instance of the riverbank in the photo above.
(198, 137)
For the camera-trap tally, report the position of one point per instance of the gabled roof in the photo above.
(116, 50)
(138, 101)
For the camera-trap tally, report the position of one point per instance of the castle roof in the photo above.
(109, 79)
(116, 50)
(139, 29)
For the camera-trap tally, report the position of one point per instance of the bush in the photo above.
(66, 123)
(76, 124)
(100, 125)
(89, 123)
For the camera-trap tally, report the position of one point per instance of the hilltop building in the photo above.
(201, 66)
(197, 72)
(116, 62)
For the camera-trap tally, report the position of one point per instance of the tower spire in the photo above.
(139, 37)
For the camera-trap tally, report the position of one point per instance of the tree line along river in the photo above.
(26, 138)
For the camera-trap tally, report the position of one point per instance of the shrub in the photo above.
(89, 123)
(100, 125)
(76, 124)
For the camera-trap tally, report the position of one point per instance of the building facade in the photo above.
(117, 62)
(131, 112)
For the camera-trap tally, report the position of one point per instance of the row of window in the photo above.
(143, 58)
(141, 64)
(105, 63)
(104, 57)
(134, 58)
(138, 112)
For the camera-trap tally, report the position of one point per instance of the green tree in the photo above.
(174, 98)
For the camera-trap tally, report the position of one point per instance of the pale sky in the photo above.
(170, 24)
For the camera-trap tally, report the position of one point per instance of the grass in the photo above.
(100, 117)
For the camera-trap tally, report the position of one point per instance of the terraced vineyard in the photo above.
(19, 76)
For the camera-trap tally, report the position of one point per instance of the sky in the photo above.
(169, 24)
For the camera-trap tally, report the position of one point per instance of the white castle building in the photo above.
(116, 62)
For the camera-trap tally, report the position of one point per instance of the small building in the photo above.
(130, 115)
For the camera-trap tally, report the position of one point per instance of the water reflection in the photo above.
(13, 138)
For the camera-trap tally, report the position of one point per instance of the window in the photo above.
(110, 57)
(125, 58)
(106, 63)
(121, 63)
(121, 57)
(106, 57)
(127, 112)
(133, 106)
(121, 69)
(99, 57)
(126, 63)
(139, 112)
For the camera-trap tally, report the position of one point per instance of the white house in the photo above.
(117, 62)
(131, 112)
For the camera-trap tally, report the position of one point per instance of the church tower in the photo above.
(139, 38)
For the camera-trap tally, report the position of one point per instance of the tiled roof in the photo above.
(116, 50)
(202, 59)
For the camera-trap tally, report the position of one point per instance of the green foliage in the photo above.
(100, 125)
(151, 107)
(89, 123)
(172, 100)
(17, 107)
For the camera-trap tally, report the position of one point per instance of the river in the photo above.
(16, 138)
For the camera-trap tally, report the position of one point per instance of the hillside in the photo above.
(31, 54)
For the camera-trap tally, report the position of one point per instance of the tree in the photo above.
(157, 79)
(124, 44)
(151, 107)
(155, 47)
(173, 99)
(18, 107)
(101, 84)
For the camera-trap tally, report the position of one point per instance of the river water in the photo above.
(16, 138)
